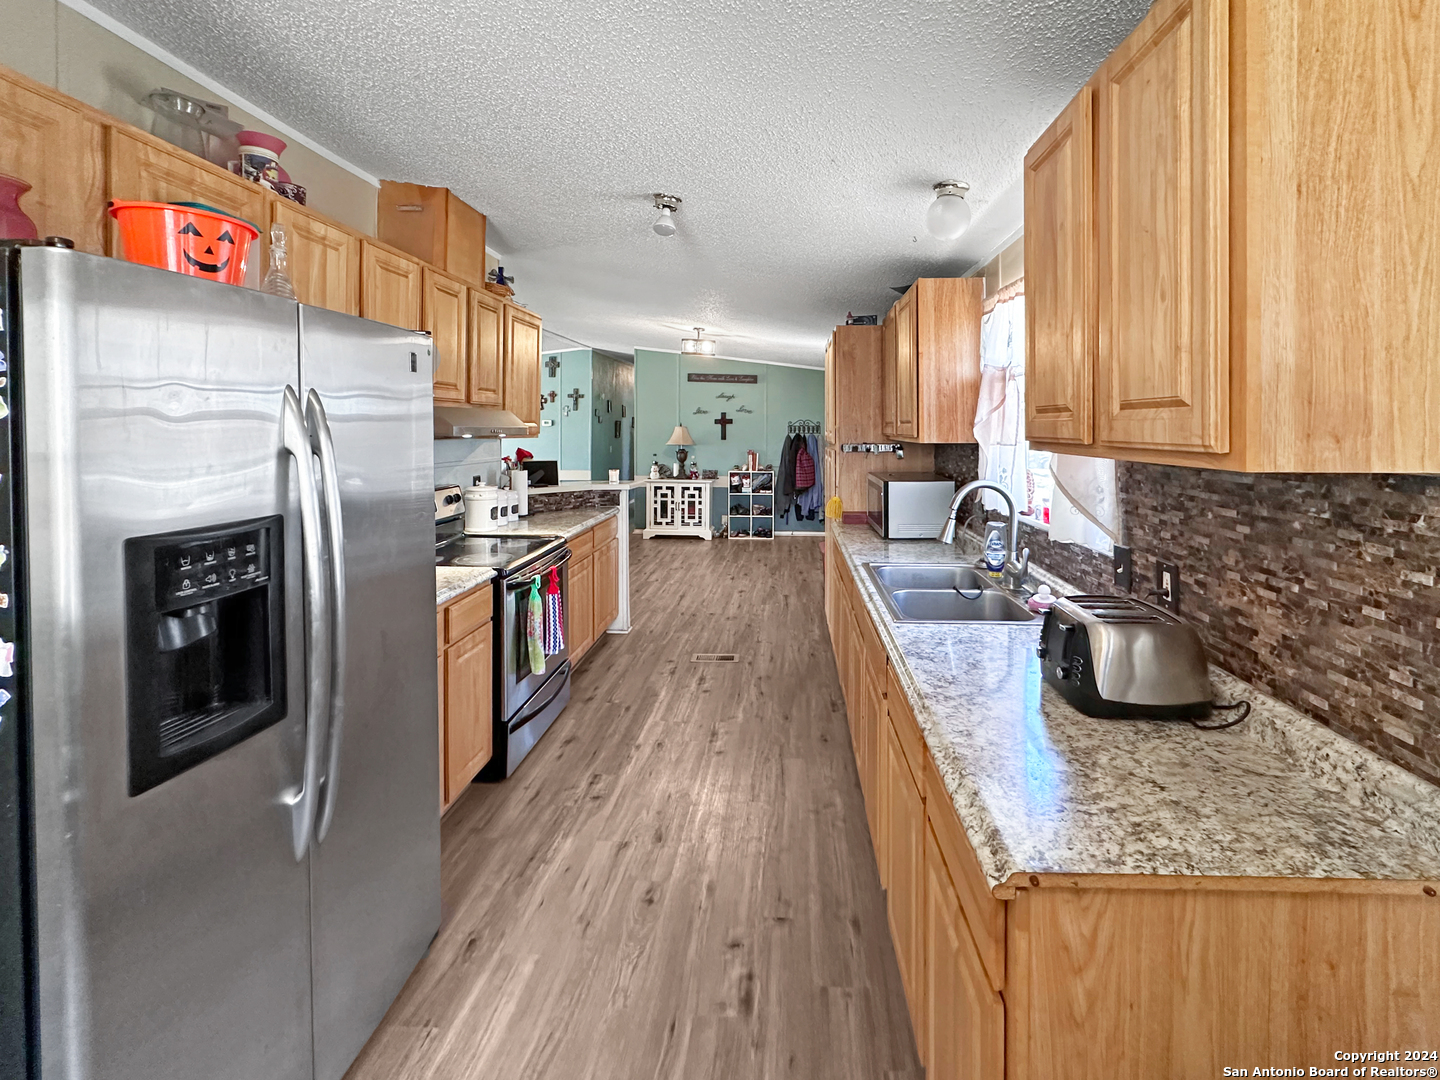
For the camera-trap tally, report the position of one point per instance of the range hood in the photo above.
(474, 422)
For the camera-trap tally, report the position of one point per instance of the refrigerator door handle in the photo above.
(317, 636)
(324, 445)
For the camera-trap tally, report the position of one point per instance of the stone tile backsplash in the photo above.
(1318, 589)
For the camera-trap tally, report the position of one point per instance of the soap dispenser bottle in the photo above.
(994, 554)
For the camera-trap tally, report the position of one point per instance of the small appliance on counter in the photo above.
(908, 506)
(1115, 657)
(543, 473)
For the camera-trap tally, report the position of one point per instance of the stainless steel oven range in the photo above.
(525, 702)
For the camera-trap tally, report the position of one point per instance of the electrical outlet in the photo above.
(1167, 586)
(1123, 569)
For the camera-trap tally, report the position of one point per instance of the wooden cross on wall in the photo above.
(724, 422)
(575, 396)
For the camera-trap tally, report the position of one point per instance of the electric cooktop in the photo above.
(502, 554)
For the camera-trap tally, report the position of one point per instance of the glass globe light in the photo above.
(949, 214)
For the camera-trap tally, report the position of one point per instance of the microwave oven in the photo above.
(908, 506)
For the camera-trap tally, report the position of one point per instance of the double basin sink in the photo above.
(947, 592)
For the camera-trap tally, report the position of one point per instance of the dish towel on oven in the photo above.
(554, 615)
(535, 628)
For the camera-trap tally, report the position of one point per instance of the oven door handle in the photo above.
(535, 707)
(523, 582)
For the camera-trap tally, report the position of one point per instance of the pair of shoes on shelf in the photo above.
(762, 532)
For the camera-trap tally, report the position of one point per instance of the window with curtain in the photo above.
(1075, 498)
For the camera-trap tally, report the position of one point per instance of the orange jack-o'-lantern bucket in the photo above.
(187, 238)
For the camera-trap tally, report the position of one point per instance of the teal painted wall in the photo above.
(664, 397)
(564, 434)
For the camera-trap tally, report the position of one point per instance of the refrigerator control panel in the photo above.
(212, 568)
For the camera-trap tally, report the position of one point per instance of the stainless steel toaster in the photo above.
(1112, 656)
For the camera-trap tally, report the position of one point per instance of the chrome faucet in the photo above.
(1018, 569)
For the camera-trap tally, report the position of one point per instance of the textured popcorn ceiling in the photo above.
(803, 137)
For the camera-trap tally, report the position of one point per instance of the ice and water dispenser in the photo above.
(205, 627)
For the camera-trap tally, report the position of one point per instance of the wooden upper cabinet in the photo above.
(888, 346)
(1060, 314)
(1163, 220)
(487, 349)
(435, 226)
(933, 376)
(446, 315)
(58, 149)
(522, 363)
(390, 287)
(147, 169)
(324, 258)
(904, 377)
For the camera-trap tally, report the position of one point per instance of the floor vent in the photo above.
(715, 658)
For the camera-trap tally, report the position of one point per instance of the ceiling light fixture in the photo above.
(698, 345)
(667, 205)
(949, 214)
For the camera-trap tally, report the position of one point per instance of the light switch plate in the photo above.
(1124, 569)
(1167, 586)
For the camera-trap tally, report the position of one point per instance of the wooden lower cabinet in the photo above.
(902, 826)
(1057, 977)
(960, 1019)
(582, 607)
(465, 643)
(607, 585)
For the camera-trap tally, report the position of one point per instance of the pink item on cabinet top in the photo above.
(15, 224)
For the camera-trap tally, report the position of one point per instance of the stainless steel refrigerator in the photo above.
(219, 829)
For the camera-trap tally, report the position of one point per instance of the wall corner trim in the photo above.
(145, 45)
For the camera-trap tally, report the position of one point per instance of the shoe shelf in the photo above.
(752, 504)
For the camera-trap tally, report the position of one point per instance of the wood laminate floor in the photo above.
(678, 882)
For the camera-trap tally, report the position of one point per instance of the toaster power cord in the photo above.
(1242, 707)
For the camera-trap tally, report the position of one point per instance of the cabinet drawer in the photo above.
(606, 531)
(470, 611)
(984, 914)
(907, 730)
(581, 546)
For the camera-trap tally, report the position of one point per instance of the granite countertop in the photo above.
(566, 523)
(1040, 788)
(453, 581)
(587, 485)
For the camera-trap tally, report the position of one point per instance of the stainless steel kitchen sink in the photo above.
(947, 593)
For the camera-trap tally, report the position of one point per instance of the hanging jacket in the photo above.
(804, 469)
(785, 476)
(812, 499)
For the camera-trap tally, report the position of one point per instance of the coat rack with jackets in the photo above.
(799, 480)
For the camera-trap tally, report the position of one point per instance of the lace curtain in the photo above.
(1084, 506)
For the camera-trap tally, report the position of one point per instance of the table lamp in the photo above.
(681, 437)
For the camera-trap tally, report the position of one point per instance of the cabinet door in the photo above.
(324, 259)
(830, 390)
(907, 370)
(905, 855)
(487, 349)
(1060, 312)
(440, 682)
(390, 287)
(1163, 222)
(445, 312)
(59, 150)
(875, 722)
(469, 676)
(581, 596)
(607, 586)
(962, 1032)
(153, 171)
(522, 363)
(888, 374)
